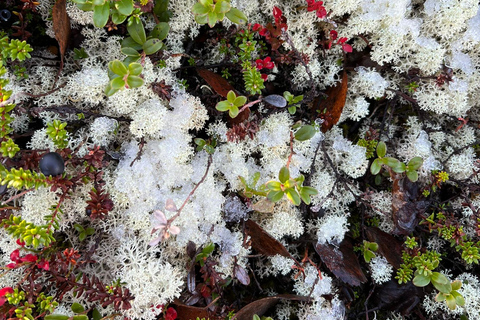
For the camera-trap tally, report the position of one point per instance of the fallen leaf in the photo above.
(241, 274)
(405, 207)
(263, 205)
(263, 242)
(399, 298)
(189, 312)
(259, 307)
(342, 262)
(61, 26)
(331, 108)
(220, 85)
(388, 246)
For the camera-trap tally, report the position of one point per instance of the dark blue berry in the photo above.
(52, 164)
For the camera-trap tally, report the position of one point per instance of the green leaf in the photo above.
(451, 303)
(208, 249)
(287, 95)
(376, 166)
(305, 132)
(77, 307)
(125, 7)
(209, 149)
(457, 284)
(420, 280)
(373, 246)
(274, 186)
(98, 2)
(240, 101)
(231, 96)
(82, 236)
(160, 31)
(129, 42)
(399, 167)
(304, 195)
(292, 109)
(275, 196)
(117, 67)
(458, 298)
(199, 9)
(78, 227)
(152, 45)
(100, 15)
(201, 19)
(118, 18)
(56, 317)
(236, 16)
(284, 174)
(310, 190)
(293, 196)
(80, 317)
(412, 175)
(212, 19)
(134, 81)
(117, 83)
(445, 288)
(439, 278)
(368, 255)
(135, 69)
(137, 31)
(440, 297)
(222, 7)
(223, 106)
(199, 141)
(233, 112)
(130, 52)
(381, 149)
(415, 163)
(96, 315)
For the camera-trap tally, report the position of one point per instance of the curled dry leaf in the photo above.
(263, 242)
(388, 246)
(330, 109)
(219, 84)
(259, 307)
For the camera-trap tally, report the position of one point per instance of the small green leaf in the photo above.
(236, 16)
(412, 175)
(458, 298)
(233, 112)
(80, 317)
(440, 297)
(222, 7)
(100, 15)
(223, 106)
(293, 196)
(137, 31)
(130, 52)
(77, 307)
(98, 2)
(376, 166)
(274, 186)
(201, 19)
(160, 31)
(208, 249)
(381, 149)
(275, 196)
(199, 141)
(129, 42)
(368, 255)
(117, 67)
(56, 317)
(231, 96)
(96, 315)
(457, 284)
(305, 132)
(118, 18)
(125, 7)
(152, 45)
(443, 287)
(451, 303)
(240, 101)
(439, 278)
(78, 227)
(82, 236)
(117, 83)
(134, 81)
(288, 96)
(109, 90)
(420, 280)
(399, 167)
(199, 9)
(415, 163)
(209, 149)
(284, 174)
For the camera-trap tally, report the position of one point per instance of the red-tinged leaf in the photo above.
(220, 85)
(241, 274)
(388, 246)
(263, 242)
(61, 26)
(342, 262)
(261, 306)
(333, 104)
(189, 312)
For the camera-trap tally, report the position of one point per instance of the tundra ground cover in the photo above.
(240, 159)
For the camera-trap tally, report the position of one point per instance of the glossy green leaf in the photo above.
(201, 19)
(420, 280)
(118, 18)
(375, 167)
(233, 112)
(152, 45)
(80, 317)
(451, 303)
(117, 83)
(82, 236)
(125, 7)
(199, 9)
(129, 42)
(240, 101)
(293, 196)
(284, 174)
(96, 315)
(381, 149)
(223, 106)
(399, 167)
(160, 31)
(135, 69)
(275, 196)
(117, 67)
(129, 51)
(231, 96)
(98, 2)
(412, 176)
(440, 297)
(222, 6)
(212, 19)
(209, 149)
(456, 285)
(56, 317)
(368, 255)
(109, 90)
(415, 163)
(134, 81)
(78, 227)
(439, 278)
(137, 31)
(443, 287)
(305, 132)
(458, 298)
(77, 307)
(100, 15)
(236, 16)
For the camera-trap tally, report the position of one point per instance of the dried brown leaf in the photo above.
(61, 25)
(342, 262)
(261, 306)
(189, 312)
(388, 246)
(263, 242)
(220, 85)
(333, 104)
